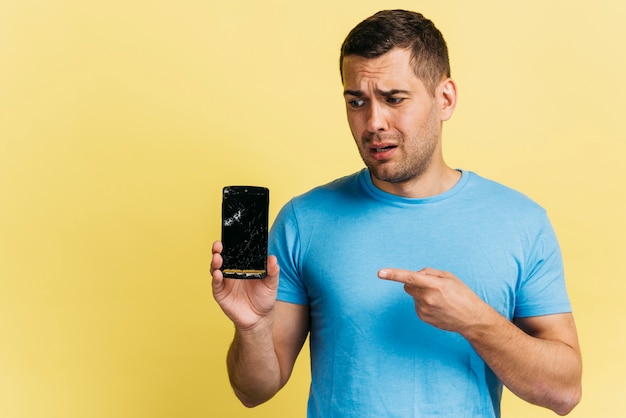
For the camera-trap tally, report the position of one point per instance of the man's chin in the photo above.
(388, 176)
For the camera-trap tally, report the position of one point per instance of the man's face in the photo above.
(395, 120)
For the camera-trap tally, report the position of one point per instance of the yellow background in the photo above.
(120, 121)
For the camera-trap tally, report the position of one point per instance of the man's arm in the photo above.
(261, 359)
(538, 360)
(268, 334)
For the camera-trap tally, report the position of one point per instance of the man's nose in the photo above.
(376, 118)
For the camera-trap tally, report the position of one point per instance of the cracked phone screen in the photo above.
(244, 231)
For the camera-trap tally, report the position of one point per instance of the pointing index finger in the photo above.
(419, 278)
(398, 275)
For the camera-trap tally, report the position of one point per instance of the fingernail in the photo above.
(383, 274)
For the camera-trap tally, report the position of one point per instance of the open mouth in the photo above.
(382, 153)
(384, 148)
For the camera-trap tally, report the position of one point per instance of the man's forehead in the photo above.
(394, 58)
(393, 64)
(384, 77)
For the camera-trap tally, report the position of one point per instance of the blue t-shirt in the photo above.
(371, 356)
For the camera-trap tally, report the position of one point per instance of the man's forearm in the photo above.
(541, 371)
(253, 366)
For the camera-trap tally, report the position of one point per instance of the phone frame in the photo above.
(245, 218)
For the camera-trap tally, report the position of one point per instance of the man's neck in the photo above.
(431, 183)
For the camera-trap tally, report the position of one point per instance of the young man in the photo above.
(423, 288)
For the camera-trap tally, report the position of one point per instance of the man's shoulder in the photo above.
(335, 189)
(495, 193)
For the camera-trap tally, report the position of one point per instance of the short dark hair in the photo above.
(388, 29)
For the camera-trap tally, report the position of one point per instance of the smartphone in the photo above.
(244, 231)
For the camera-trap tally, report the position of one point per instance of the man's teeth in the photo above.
(382, 149)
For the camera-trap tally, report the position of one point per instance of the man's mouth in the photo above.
(382, 152)
(383, 149)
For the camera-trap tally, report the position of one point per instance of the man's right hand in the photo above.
(268, 335)
(244, 301)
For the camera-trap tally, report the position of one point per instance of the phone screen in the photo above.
(244, 231)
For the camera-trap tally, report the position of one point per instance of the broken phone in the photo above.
(244, 231)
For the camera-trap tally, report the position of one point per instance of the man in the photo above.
(424, 288)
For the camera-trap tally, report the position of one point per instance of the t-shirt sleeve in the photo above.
(543, 290)
(284, 243)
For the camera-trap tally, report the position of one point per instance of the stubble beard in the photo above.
(407, 169)
(416, 160)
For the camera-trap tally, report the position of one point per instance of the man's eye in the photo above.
(395, 100)
(356, 103)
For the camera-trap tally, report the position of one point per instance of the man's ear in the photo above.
(447, 95)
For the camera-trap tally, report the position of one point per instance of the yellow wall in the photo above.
(120, 121)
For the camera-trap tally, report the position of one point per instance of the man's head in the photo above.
(389, 29)
(398, 93)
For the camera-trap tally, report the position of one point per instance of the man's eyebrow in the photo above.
(355, 93)
(384, 93)
(392, 92)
